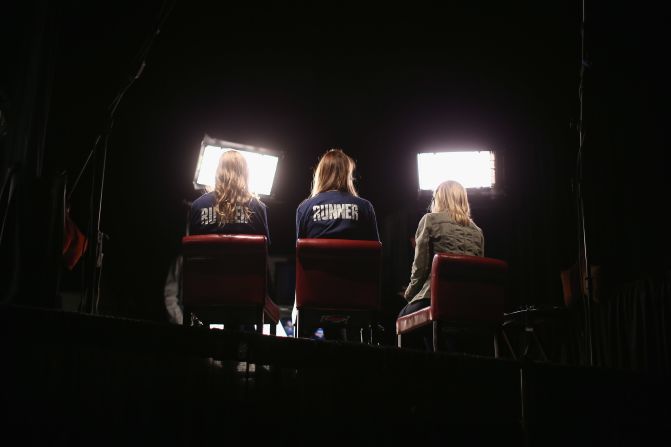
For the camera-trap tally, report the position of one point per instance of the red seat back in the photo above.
(224, 270)
(338, 274)
(467, 288)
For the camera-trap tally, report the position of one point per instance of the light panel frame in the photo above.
(262, 164)
(475, 169)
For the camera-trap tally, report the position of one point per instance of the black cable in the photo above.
(8, 183)
(142, 54)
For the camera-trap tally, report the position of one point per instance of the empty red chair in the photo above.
(225, 280)
(337, 282)
(467, 292)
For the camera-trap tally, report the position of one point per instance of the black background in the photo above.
(382, 83)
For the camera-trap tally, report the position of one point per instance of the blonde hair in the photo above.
(231, 186)
(335, 171)
(451, 198)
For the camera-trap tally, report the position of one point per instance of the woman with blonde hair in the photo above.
(231, 208)
(447, 228)
(334, 209)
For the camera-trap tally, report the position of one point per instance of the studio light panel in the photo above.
(262, 166)
(473, 169)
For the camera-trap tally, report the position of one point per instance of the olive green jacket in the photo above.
(437, 233)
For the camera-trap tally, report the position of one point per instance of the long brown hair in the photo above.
(451, 198)
(231, 186)
(335, 171)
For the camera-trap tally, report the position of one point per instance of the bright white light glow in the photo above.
(262, 168)
(473, 169)
(279, 329)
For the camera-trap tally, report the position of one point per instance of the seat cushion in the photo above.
(413, 321)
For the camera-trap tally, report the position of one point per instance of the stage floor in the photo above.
(74, 378)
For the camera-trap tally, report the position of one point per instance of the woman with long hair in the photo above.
(334, 209)
(447, 228)
(231, 208)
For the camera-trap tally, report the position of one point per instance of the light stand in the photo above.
(94, 264)
(583, 260)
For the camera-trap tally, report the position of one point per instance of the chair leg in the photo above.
(540, 347)
(436, 333)
(398, 341)
(510, 347)
(496, 346)
(297, 324)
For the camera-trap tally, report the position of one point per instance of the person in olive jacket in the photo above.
(447, 228)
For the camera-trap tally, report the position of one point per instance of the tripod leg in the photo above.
(540, 347)
(510, 347)
(527, 329)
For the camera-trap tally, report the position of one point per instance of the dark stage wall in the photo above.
(380, 83)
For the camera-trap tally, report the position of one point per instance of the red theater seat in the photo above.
(225, 280)
(337, 282)
(467, 292)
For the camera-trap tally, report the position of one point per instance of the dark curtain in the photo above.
(632, 325)
(626, 185)
(34, 206)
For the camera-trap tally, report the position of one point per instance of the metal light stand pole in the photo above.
(100, 236)
(583, 257)
(91, 293)
(583, 260)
